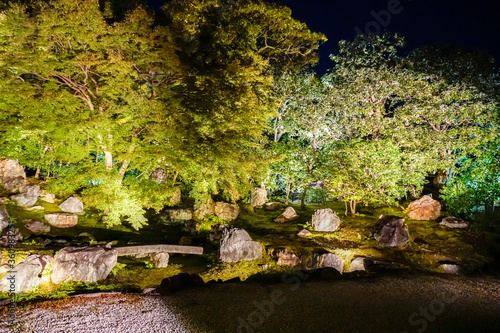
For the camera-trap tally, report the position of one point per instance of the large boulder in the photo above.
(36, 227)
(72, 205)
(12, 175)
(236, 245)
(26, 275)
(85, 264)
(179, 215)
(10, 235)
(454, 223)
(330, 260)
(325, 220)
(287, 216)
(62, 220)
(226, 211)
(392, 231)
(424, 209)
(204, 209)
(4, 218)
(258, 196)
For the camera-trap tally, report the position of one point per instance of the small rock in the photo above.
(287, 216)
(272, 206)
(424, 209)
(12, 175)
(304, 233)
(330, 260)
(449, 268)
(49, 197)
(179, 215)
(37, 227)
(36, 208)
(286, 258)
(325, 220)
(62, 220)
(151, 290)
(357, 264)
(226, 211)
(454, 223)
(72, 205)
(23, 200)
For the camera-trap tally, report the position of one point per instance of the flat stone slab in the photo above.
(157, 248)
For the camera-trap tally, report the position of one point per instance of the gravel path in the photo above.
(387, 304)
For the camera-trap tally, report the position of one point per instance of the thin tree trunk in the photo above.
(108, 158)
(345, 208)
(288, 186)
(303, 198)
(37, 173)
(175, 177)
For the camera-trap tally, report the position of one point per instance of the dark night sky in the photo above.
(462, 23)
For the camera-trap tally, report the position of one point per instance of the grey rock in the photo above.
(258, 196)
(48, 197)
(12, 175)
(62, 220)
(72, 205)
(159, 175)
(179, 215)
(304, 233)
(160, 259)
(330, 260)
(37, 227)
(27, 274)
(357, 264)
(23, 200)
(450, 268)
(30, 190)
(236, 245)
(392, 231)
(287, 216)
(226, 211)
(286, 258)
(85, 264)
(272, 206)
(325, 220)
(454, 223)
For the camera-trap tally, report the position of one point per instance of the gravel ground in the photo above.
(397, 304)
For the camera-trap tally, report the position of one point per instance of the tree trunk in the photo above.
(108, 158)
(303, 198)
(353, 204)
(345, 208)
(37, 173)
(489, 207)
(287, 186)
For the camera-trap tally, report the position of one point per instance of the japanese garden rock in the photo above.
(258, 197)
(37, 227)
(26, 275)
(12, 175)
(62, 220)
(30, 190)
(11, 235)
(449, 267)
(325, 220)
(454, 223)
(204, 209)
(48, 197)
(4, 269)
(272, 206)
(179, 215)
(72, 205)
(286, 258)
(175, 198)
(217, 231)
(304, 233)
(357, 264)
(287, 216)
(85, 264)
(236, 245)
(392, 231)
(4, 218)
(424, 209)
(226, 211)
(331, 260)
(159, 175)
(160, 259)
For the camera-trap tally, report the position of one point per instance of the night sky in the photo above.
(462, 23)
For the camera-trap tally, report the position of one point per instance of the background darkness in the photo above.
(462, 23)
